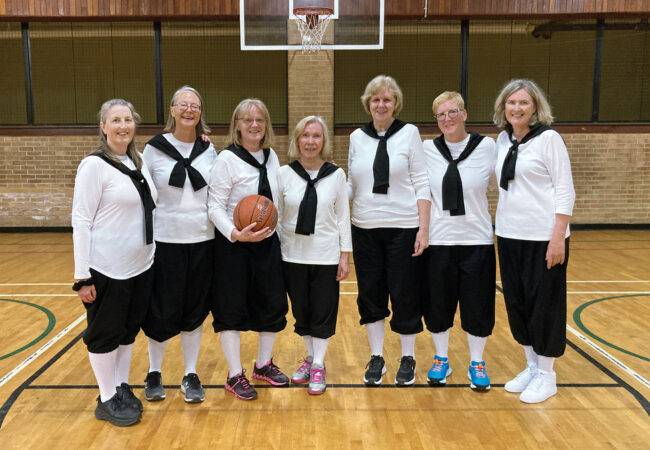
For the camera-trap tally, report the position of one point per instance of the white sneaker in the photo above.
(519, 383)
(541, 387)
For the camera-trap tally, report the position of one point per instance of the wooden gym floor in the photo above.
(47, 389)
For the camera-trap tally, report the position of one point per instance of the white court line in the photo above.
(38, 295)
(630, 372)
(38, 352)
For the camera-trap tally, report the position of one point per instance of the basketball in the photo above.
(255, 208)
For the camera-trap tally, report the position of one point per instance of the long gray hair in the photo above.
(201, 127)
(103, 148)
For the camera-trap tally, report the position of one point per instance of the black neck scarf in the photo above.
(452, 185)
(263, 187)
(141, 185)
(381, 165)
(177, 177)
(509, 163)
(307, 211)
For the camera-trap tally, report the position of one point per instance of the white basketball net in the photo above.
(312, 29)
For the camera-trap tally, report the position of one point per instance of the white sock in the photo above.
(408, 344)
(476, 347)
(156, 353)
(309, 343)
(103, 365)
(320, 348)
(265, 342)
(531, 356)
(545, 363)
(230, 343)
(375, 332)
(441, 342)
(191, 342)
(123, 364)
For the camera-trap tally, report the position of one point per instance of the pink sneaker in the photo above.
(301, 375)
(317, 382)
(271, 373)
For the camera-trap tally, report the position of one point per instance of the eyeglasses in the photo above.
(193, 107)
(248, 121)
(452, 114)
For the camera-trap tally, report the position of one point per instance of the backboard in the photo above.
(271, 25)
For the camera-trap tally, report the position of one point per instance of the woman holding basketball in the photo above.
(112, 222)
(389, 189)
(248, 265)
(179, 162)
(316, 243)
(536, 199)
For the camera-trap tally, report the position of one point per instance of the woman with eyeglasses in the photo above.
(389, 188)
(179, 162)
(460, 261)
(248, 264)
(112, 222)
(536, 199)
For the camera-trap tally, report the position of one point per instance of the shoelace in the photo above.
(374, 363)
(479, 370)
(317, 375)
(409, 362)
(306, 366)
(193, 381)
(241, 379)
(438, 365)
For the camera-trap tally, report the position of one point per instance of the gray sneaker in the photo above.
(317, 380)
(153, 388)
(301, 375)
(191, 387)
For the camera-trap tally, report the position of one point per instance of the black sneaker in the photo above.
(116, 412)
(271, 373)
(376, 368)
(240, 386)
(128, 397)
(153, 388)
(191, 387)
(406, 373)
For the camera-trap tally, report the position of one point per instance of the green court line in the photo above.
(50, 325)
(578, 321)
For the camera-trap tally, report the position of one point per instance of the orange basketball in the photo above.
(255, 209)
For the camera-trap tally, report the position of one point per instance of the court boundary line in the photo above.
(51, 323)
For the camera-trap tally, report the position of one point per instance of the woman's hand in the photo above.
(344, 266)
(248, 235)
(205, 138)
(87, 294)
(555, 251)
(421, 242)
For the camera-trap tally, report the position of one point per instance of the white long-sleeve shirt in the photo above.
(232, 179)
(542, 187)
(332, 230)
(108, 221)
(407, 179)
(475, 227)
(181, 213)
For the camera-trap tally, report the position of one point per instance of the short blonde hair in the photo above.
(201, 127)
(377, 84)
(542, 114)
(448, 96)
(294, 147)
(234, 137)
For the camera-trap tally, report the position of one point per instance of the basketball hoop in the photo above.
(312, 23)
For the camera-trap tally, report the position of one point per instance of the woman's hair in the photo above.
(201, 127)
(542, 114)
(294, 146)
(103, 148)
(445, 97)
(234, 137)
(377, 84)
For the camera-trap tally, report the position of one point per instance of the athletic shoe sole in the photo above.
(406, 383)
(375, 383)
(315, 392)
(155, 398)
(441, 382)
(299, 381)
(103, 415)
(269, 380)
(228, 388)
(191, 400)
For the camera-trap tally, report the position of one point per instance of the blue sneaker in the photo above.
(478, 376)
(439, 372)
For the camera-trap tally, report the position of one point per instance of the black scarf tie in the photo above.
(177, 177)
(142, 186)
(510, 161)
(452, 186)
(263, 187)
(381, 165)
(307, 211)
